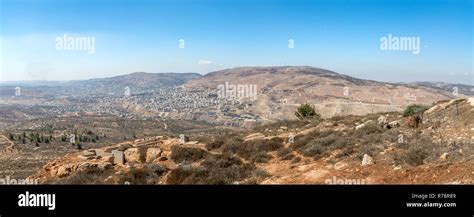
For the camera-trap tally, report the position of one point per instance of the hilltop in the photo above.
(282, 89)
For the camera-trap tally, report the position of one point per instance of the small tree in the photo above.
(414, 109)
(415, 114)
(306, 111)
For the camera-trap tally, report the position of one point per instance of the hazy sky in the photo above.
(137, 35)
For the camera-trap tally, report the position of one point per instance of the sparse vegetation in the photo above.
(186, 154)
(418, 152)
(215, 169)
(254, 150)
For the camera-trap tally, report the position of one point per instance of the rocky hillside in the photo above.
(370, 149)
(281, 89)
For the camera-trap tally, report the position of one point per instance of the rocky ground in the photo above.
(381, 148)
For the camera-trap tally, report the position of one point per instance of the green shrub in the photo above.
(306, 111)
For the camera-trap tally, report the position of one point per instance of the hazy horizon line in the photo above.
(205, 73)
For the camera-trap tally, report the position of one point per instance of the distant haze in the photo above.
(394, 41)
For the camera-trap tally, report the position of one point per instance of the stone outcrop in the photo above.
(135, 155)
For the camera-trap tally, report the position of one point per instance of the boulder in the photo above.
(135, 155)
(109, 159)
(367, 160)
(185, 138)
(359, 126)
(394, 124)
(62, 171)
(152, 154)
(118, 157)
(444, 156)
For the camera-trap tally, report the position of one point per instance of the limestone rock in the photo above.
(394, 124)
(118, 157)
(444, 156)
(152, 154)
(367, 160)
(135, 155)
(364, 124)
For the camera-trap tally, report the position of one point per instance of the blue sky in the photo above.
(138, 35)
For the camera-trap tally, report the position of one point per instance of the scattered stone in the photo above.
(359, 126)
(192, 143)
(367, 160)
(397, 167)
(394, 124)
(284, 128)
